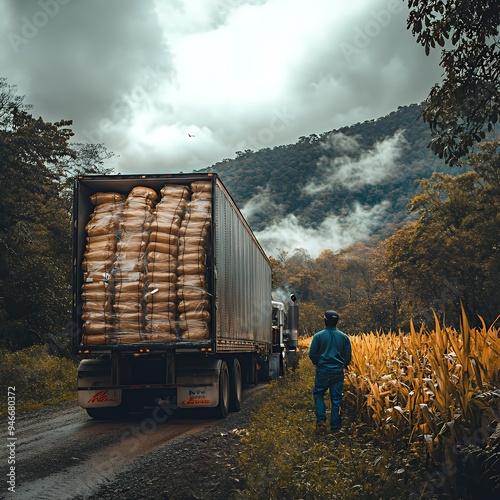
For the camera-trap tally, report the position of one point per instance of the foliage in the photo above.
(432, 391)
(38, 377)
(282, 458)
(452, 252)
(420, 411)
(35, 222)
(466, 103)
(282, 172)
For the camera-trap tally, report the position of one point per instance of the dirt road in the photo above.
(62, 453)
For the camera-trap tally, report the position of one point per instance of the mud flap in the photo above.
(93, 374)
(198, 384)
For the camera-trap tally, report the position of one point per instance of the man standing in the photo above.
(330, 352)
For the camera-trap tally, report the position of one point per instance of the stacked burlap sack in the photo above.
(163, 250)
(194, 300)
(145, 266)
(129, 269)
(98, 260)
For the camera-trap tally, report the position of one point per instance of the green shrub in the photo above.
(282, 457)
(38, 377)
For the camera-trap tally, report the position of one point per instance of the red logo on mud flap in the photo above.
(100, 397)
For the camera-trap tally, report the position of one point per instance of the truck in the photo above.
(172, 296)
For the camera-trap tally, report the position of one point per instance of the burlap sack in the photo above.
(96, 327)
(167, 266)
(127, 305)
(173, 191)
(161, 287)
(191, 268)
(191, 281)
(163, 237)
(95, 339)
(143, 192)
(93, 267)
(195, 333)
(98, 227)
(128, 266)
(160, 321)
(102, 238)
(160, 337)
(200, 207)
(97, 317)
(133, 286)
(161, 277)
(166, 219)
(195, 232)
(130, 317)
(131, 337)
(193, 305)
(100, 198)
(194, 293)
(199, 314)
(201, 187)
(108, 245)
(165, 227)
(101, 305)
(157, 246)
(186, 258)
(163, 307)
(132, 243)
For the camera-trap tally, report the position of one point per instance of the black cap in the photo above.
(331, 318)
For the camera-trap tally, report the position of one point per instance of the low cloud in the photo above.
(335, 232)
(355, 168)
(262, 202)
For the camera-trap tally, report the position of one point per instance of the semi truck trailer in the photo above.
(172, 296)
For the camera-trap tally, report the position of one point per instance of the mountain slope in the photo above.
(342, 186)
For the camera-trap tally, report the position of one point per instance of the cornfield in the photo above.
(434, 391)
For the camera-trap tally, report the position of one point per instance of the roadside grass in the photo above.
(282, 457)
(38, 378)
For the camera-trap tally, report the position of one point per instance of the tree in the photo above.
(467, 102)
(451, 254)
(35, 222)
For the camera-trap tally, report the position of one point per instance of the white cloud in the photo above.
(138, 76)
(261, 202)
(335, 232)
(355, 168)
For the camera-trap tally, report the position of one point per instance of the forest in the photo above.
(437, 247)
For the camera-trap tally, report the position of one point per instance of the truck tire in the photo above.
(222, 409)
(235, 386)
(109, 413)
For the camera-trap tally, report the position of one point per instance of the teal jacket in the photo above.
(330, 348)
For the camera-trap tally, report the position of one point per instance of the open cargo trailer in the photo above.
(124, 371)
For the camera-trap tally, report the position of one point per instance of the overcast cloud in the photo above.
(177, 85)
(145, 77)
(355, 167)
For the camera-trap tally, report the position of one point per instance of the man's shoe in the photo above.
(320, 427)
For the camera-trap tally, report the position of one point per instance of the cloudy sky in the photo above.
(176, 85)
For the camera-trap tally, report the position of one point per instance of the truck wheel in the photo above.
(235, 386)
(222, 409)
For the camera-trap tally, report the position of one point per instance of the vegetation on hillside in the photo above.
(283, 172)
(449, 255)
